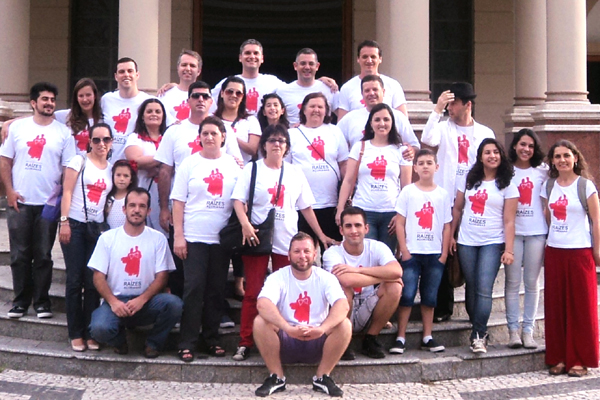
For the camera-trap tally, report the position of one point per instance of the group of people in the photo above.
(165, 174)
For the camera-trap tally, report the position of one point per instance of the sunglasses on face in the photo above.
(273, 141)
(232, 92)
(105, 139)
(196, 96)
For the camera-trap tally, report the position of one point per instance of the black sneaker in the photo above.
(432, 346)
(271, 385)
(397, 348)
(17, 312)
(327, 385)
(372, 348)
(43, 312)
(241, 353)
(348, 355)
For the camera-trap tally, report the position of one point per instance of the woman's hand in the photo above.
(327, 241)
(180, 247)
(452, 246)
(249, 234)
(64, 233)
(507, 258)
(338, 214)
(392, 226)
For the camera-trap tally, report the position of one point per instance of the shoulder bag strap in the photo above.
(252, 187)
(83, 192)
(279, 185)
(319, 153)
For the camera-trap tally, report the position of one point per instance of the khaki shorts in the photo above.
(362, 309)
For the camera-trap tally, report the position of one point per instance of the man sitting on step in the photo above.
(301, 319)
(360, 264)
(131, 268)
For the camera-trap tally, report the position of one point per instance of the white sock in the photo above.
(427, 338)
(400, 338)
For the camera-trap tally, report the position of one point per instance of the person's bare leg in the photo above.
(427, 316)
(267, 342)
(349, 292)
(335, 345)
(403, 317)
(389, 296)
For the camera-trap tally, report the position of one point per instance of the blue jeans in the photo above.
(430, 269)
(378, 228)
(162, 311)
(31, 239)
(77, 253)
(480, 265)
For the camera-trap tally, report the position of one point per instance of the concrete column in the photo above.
(145, 36)
(14, 48)
(382, 29)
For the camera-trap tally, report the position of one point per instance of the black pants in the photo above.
(176, 277)
(326, 219)
(445, 298)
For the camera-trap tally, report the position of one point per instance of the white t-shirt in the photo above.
(295, 195)
(131, 263)
(326, 140)
(82, 138)
(425, 213)
(182, 140)
(304, 302)
(483, 215)
(351, 94)
(205, 186)
(242, 130)
(98, 182)
(121, 113)
(175, 101)
(467, 153)
(256, 88)
(116, 217)
(375, 254)
(530, 218)
(378, 183)
(353, 127)
(293, 95)
(38, 154)
(569, 224)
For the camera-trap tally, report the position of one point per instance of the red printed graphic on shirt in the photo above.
(122, 120)
(301, 307)
(252, 100)
(478, 201)
(195, 145)
(317, 148)
(426, 216)
(377, 168)
(36, 147)
(358, 290)
(362, 101)
(215, 183)
(273, 192)
(82, 139)
(299, 106)
(559, 208)
(95, 191)
(182, 110)
(463, 150)
(525, 189)
(132, 261)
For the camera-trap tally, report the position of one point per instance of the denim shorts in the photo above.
(430, 270)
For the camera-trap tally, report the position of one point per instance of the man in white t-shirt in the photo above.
(301, 319)
(306, 66)
(32, 160)
(360, 264)
(189, 67)
(131, 267)
(369, 59)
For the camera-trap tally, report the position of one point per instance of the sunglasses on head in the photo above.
(196, 96)
(105, 139)
(232, 92)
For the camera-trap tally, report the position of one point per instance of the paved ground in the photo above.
(532, 386)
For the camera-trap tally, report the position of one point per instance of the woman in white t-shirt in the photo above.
(293, 194)
(485, 208)
(272, 111)
(572, 253)
(87, 181)
(320, 150)
(526, 155)
(140, 147)
(202, 206)
(382, 173)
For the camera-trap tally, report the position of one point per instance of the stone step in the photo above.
(412, 366)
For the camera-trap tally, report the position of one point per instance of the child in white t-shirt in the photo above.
(423, 231)
(124, 178)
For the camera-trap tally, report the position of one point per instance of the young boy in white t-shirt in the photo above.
(423, 231)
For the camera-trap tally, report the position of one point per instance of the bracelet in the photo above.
(509, 252)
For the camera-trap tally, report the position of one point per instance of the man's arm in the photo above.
(165, 175)
(337, 313)
(160, 282)
(6, 165)
(270, 313)
(117, 306)
(430, 135)
(361, 277)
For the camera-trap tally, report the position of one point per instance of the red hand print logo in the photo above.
(463, 150)
(132, 262)
(122, 120)
(196, 145)
(559, 208)
(182, 110)
(273, 193)
(95, 191)
(252, 100)
(377, 168)
(82, 139)
(215, 183)
(478, 201)
(425, 216)
(317, 148)
(301, 308)
(36, 147)
(525, 189)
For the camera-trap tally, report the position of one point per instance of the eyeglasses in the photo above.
(273, 141)
(232, 92)
(105, 139)
(196, 96)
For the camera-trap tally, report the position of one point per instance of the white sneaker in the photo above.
(528, 341)
(514, 341)
(478, 345)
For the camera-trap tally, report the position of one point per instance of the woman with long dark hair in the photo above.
(272, 111)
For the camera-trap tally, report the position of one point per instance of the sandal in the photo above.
(216, 351)
(578, 371)
(186, 355)
(558, 369)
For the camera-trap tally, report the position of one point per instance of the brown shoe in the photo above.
(558, 369)
(578, 371)
(122, 349)
(149, 352)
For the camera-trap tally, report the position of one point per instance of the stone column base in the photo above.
(418, 113)
(515, 119)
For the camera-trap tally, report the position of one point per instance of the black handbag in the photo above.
(93, 229)
(231, 236)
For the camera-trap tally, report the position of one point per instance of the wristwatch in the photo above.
(63, 219)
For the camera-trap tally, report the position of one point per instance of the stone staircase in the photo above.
(34, 344)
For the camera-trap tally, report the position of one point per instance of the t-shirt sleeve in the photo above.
(333, 290)
(132, 140)
(69, 150)
(76, 163)
(543, 190)
(383, 253)
(402, 201)
(342, 149)
(306, 198)
(164, 153)
(511, 191)
(272, 288)
(461, 183)
(332, 257)
(447, 206)
(402, 161)
(355, 151)
(61, 115)
(242, 186)
(343, 101)
(590, 189)
(8, 147)
(101, 256)
(180, 183)
(407, 134)
(164, 259)
(254, 126)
